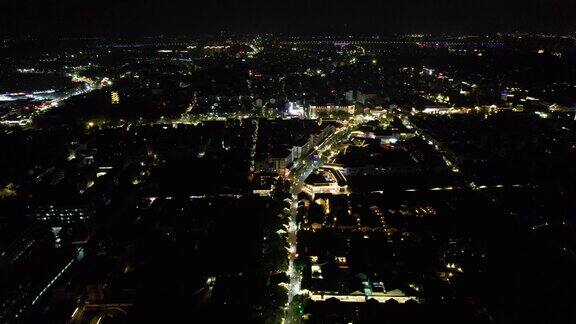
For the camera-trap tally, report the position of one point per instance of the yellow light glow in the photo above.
(115, 97)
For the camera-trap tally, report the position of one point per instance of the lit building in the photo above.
(277, 161)
(436, 110)
(302, 147)
(60, 214)
(326, 180)
(61, 219)
(115, 97)
(350, 96)
(321, 136)
(328, 109)
(364, 97)
(294, 109)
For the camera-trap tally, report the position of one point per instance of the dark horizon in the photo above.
(300, 17)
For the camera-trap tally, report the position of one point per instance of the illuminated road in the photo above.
(303, 169)
(47, 100)
(254, 143)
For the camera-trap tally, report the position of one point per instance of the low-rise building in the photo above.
(326, 180)
(329, 108)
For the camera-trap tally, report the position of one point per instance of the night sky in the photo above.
(151, 17)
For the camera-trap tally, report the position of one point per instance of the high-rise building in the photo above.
(115, 97)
